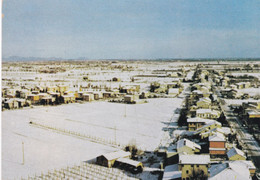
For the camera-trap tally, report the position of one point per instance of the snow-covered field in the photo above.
(46, 149)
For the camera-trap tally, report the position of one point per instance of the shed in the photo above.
(130, 165)
(236, 154)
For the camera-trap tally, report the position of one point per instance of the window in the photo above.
(198, 165)
(187, 172)
(192, 165)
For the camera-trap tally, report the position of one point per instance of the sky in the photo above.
(131, 29)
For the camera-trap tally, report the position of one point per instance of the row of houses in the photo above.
(197, 156)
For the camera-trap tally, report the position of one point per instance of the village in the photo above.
(117, 119)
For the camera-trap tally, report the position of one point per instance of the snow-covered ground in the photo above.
(250, 91)
(45, 149)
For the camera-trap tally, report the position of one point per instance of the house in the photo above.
(235, 154)
(187, 146)
(21, 102)
(52, 89)
(204, 103)
(243, 85)
(194, 165)
(131, 98)
(130, 89)
(196, 123)
(208, 113)
(88, 97)
(34, 98)
(107, 94)
(47, 100)
(207, 127)
(11, 104)
(23, 93)
(211, 132)
(109, 159)
(217, 145)
(68, 99)
(144, 95)
(98, 95)
(234, 170)
(173, 91)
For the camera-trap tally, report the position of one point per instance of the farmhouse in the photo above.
(193, 164)
(109, 159)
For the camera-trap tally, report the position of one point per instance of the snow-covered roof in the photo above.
(129, 161)
(194, 159)
(235, 151)
(171, 172)
(205, 99)
(188, 143)
(208, 125)
(215, 130)
(173, 90)
(197, 92)
(116, 155)
(230, 171)
(197, 119)
(202, 111)
(217, 137)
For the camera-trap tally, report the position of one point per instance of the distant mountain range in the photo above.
(19, 58)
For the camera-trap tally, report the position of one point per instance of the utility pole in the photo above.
(115, 133)
(23, 152)
(125, 111)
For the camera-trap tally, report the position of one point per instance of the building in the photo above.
(129, 165)
(211, 132)
(204, 103)
(207, 127)
(208, 114)
(109, 159)
(217, 145)
(131, 98)
(173, 91)
(194, 166)
(88, 97)
(234, 170)
(187, 146)
(235, 154)
(196, 123)
(68, 99)
(172, 172)
(34, 98)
